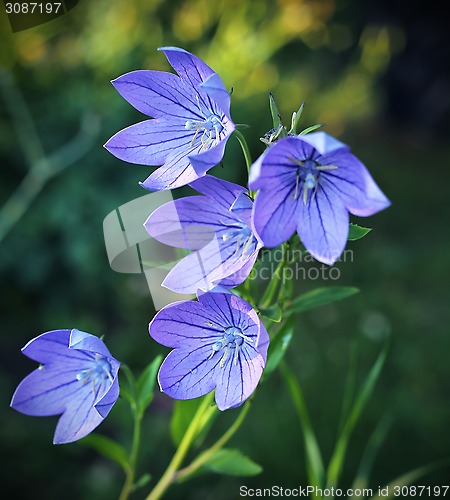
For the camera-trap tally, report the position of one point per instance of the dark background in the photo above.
(377, 73)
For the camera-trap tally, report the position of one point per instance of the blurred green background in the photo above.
(377, 74)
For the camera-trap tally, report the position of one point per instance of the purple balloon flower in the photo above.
(217, 227)
(219, 343)
(191, 123)
(309, 183)
(77, 378)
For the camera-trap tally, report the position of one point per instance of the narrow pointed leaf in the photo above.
(232, 463)
(319, 297)
(274, 313)
(146, 383)
(314, 463)
(278, 346)
(373, 446)
(357, 232)
(411, 477)
(338, 457)
(108, 448)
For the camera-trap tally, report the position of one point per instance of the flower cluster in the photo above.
(306, 183)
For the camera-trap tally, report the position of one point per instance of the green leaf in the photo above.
(411, 477)
(276, 118)
(338, 456)
(314, 463)
(127, 384)
(307, 130)
(278, 346)
(125, 393)
(232, 463)
(146, 384)
(274, 313)
(141, 482)
(320, 297)
(373, 445)
(108, 448)
(357, 232)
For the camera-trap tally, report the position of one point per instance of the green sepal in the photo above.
(319, 297)
(278, 346)
(296, 115)
(357, 232)
(274, 313)
(146, 384)
(276, 118)
(232, 463)
(108, 448)
(312, 128)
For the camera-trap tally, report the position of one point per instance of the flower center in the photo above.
(232, 339)
(308, 172)
(211, 129)
(97, 373)
(244, 239)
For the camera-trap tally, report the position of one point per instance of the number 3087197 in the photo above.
(33, 8)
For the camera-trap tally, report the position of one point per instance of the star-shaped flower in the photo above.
(219, 343)
(217, 227)
(309, 183)
(77, 378)
(191, 122)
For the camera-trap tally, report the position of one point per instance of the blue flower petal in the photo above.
(80, 417)
(221, 191)
(352, 182)
(52, 346)
(189, 67)
(177, 171)
(104, 405)
(323, 143)
(189, 223)
(214, 87)
(184, 323)
(275, 215)
(237, 381)
(159, 94)
(187, 374)
(323, 225)
(82, 341)
(46, 391)
(149, 142)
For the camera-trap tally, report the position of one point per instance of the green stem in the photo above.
(271, 289)
(248, 159)
(210, 452)
(131, 472)
(192, 431)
